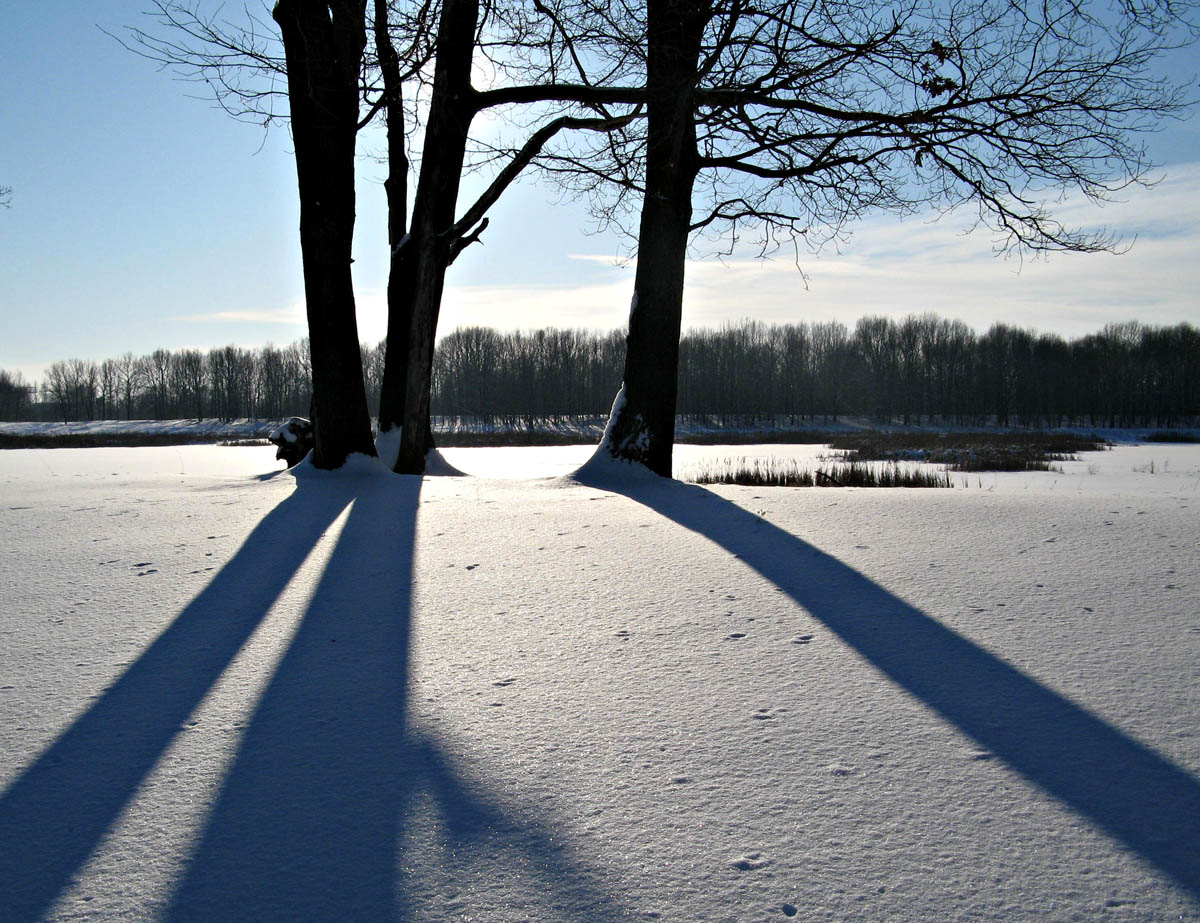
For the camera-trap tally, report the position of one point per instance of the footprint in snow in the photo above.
(803, 639)
(624, 635)
(736, 636)
(763, 714)
(750, 862)
(505, 682)
(839, 769)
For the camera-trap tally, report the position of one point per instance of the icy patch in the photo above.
(387, 446)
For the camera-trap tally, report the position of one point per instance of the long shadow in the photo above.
(1142, 800)
(59, 809)
(320, 804)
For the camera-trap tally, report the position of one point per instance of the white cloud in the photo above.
(600, 305)
(888, 267)
(294, 314)
(900, 267)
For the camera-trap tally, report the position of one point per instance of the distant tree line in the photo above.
(225, 383)
(921, 369)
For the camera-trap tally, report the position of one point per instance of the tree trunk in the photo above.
(642, 427)
(451, 108)
(323, 44)
(399, 288)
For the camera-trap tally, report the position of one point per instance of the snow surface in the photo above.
(229, 692)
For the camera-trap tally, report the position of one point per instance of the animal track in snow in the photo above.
(736, 636)
(803, 639)
(750, 862)
(624, 635)
(505, 682)
(763, 714)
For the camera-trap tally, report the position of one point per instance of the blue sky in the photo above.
(143, 218)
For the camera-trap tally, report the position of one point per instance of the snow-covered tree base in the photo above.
(387, 445)
(621, 454)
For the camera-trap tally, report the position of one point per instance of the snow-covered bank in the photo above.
(198, 429)
(559, 429)
(229, 694)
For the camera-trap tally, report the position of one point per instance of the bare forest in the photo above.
(917, 370)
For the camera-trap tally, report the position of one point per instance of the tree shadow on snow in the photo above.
(59, 809)
(315, 819)
(1142, 800)
(311, 821)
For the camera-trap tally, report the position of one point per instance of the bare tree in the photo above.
(527, 50)
(15, 396)
(189, 384)
(323, 43)
(806, 116)
(72, 386)
(129, 380)
(243, 67)
(109, 405)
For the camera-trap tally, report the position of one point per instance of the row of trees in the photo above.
(920, 369)
(794, 118)
(225, 383)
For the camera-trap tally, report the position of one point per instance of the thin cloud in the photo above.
(290, 315)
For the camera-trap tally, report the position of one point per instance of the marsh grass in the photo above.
(969, 451)
(777, 472)
(1170, 435)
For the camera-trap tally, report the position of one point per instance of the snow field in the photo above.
(370, 697)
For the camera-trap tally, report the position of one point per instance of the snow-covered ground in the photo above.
(232, 693)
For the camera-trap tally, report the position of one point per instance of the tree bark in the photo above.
(323, 44)
(399, 288)
(426, 252)
(642, 428)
